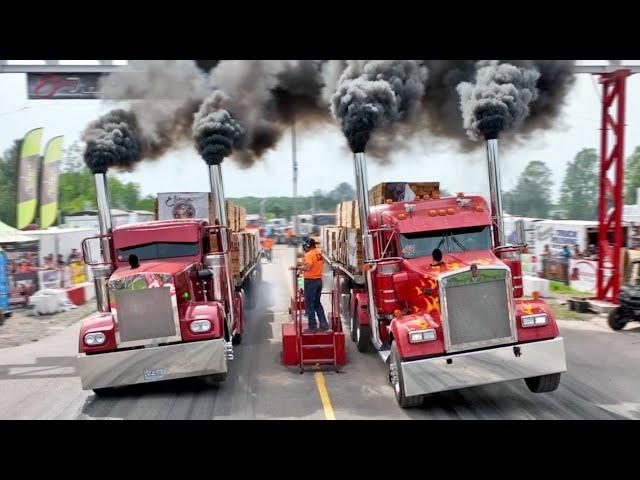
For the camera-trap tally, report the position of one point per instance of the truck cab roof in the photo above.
(187, 230)
(433, 214)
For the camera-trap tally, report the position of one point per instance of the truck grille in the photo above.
(144, 314)
(477, 311)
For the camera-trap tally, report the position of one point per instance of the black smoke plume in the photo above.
(498, 100)
(113, 140)
(374, 94)
(215, 132)
(162, 95)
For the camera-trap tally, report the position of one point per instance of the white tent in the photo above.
(13, 235)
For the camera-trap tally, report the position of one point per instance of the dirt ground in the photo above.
(22, 327)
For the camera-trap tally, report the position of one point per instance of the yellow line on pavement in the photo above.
(324, 396)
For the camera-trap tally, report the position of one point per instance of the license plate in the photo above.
(153, 375)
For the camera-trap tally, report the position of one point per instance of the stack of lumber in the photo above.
(347, 214)
(343, 245)
(244, 250)
(394, 191)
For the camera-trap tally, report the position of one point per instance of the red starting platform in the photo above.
(313, 349)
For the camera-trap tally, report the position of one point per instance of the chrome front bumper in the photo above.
(152, 364)
(483, 367)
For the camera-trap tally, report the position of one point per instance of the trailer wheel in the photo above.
(363, 337)
(543, 383)
(396, 379)
(616, 320)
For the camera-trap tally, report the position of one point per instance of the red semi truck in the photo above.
(169, 305)
(439, 295)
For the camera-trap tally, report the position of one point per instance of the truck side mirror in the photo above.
(92, 250)
(437, 255)
(521, 238)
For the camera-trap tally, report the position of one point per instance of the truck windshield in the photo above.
(158, 250)
(421, 244)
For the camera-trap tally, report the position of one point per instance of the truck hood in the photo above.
(452, 261)
(150, 267)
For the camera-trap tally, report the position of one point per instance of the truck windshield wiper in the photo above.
(455, 240)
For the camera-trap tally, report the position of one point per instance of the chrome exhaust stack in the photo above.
(362, 190)
(217, 192)
(495, 189)
(102, 272)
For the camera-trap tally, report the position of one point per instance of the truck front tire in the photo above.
(543, 383)
(616, 320)
(396, 379)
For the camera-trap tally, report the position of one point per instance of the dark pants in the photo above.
(312, 293)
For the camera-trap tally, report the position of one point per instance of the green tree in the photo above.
(579, 191)
(77, 189)
(632, 177)
(9, 183)
(531, 196)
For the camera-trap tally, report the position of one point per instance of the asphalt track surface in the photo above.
(39, 380)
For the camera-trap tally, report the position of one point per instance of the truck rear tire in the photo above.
(237, 339)
(352, 326)
(363, 337)
(543, 383)
(616, 320)
(396, 379)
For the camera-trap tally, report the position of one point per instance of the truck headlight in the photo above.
(419, 336)
(200, 326)
(534, 320)
(93, 339)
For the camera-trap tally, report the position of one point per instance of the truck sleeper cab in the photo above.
(448, 306)
(167, 314)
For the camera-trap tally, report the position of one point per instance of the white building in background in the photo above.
(89, 218)
(631, 213)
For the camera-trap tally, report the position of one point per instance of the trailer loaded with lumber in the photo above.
(245, 243)
(342, 245)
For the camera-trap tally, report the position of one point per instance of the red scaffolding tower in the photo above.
(611, 191)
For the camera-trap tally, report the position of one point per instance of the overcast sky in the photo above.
(323, 159)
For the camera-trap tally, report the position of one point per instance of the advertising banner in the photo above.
(54, 86)
(28, 170)
(49, 182)
(555, 268)
(582, 275)
(183, 205)
(49, 279)
(4, 282)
